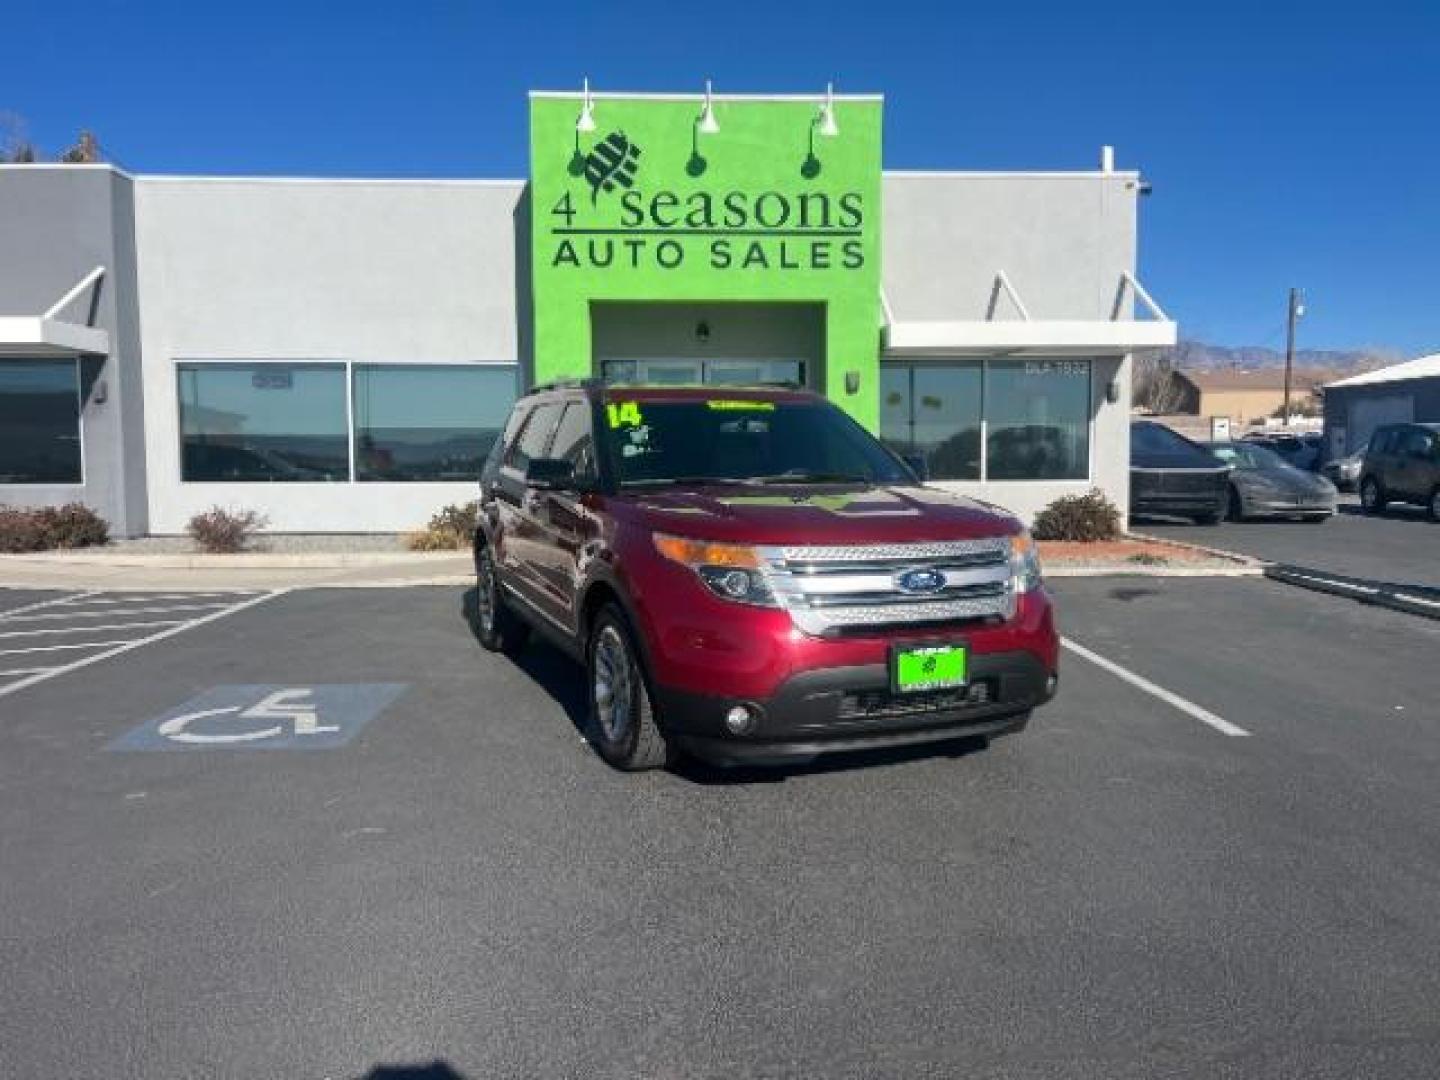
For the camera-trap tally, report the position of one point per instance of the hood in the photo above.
(828, 514)
(1286, 478)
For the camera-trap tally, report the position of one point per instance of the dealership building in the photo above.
(339, 354)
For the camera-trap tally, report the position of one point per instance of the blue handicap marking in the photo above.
(293, 717)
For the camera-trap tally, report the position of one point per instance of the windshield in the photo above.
(742, 440)
(1248, 456)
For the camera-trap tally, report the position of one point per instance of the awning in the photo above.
(48, 335)
(1027, 336)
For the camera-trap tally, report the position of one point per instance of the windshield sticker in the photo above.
(750, 406)
(624, 414)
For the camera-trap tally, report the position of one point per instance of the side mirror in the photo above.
(550, 474)
(917, 465)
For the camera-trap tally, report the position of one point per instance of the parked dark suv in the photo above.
(1402, 464)
(1171, 475)
(749, 575)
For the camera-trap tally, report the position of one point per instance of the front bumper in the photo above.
(830, 710)
(1179, 504)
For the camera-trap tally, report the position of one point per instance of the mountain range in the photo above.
(1201, 356)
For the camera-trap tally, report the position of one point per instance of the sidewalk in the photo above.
(110, 569)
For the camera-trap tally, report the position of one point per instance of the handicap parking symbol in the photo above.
(316, 717)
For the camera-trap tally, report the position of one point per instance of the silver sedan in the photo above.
(1263, 484)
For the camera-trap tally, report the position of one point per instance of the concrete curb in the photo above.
(1214, 552)
(1410, 599)
(1060, 570)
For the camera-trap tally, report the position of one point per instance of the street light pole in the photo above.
(1296, 310)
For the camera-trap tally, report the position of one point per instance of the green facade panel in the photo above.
(769, 208)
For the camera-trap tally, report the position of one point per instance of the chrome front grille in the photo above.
(834, 589)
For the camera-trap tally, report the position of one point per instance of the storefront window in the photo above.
(39, 422)
(263, 422)
(934, 410)
(428, 422)
(1037, 415)
(1032, 417)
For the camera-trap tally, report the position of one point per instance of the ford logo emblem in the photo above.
(920, 581)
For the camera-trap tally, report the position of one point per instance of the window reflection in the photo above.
(1035, 413)
(39, 422)
(428, 422)
(263, 422)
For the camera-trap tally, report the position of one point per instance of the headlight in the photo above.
(1024, 563)
(730, 571)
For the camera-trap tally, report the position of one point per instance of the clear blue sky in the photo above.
(1287, 144)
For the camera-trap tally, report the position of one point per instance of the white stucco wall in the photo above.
(381, 271)
(1063, 240)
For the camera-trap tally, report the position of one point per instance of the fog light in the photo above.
(740, 720)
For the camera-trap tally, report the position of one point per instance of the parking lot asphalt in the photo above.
(461, 885)
(1401, 545)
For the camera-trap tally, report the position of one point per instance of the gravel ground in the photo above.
(278, 543)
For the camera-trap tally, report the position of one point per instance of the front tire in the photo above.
(1372, 496)
(621, 724)
(498, 628)
(1236, 508)
(1433, 506)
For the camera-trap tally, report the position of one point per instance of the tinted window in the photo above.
(428, 422)
(39, 422)
(263, 422)
(934, 411)
(535, 437)
(574, 441)
(1380, 442)
(1415, 443)
(741, 439)
(1038, 417)
(947, 406)
(1157, 439)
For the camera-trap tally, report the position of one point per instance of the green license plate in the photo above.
(930, 667)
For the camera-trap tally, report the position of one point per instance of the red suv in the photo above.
(748, 575)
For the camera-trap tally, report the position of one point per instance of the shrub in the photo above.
(20, 531)
(1087, 517)
(452, 528)
(218, 531)
(71, 526)
(1147, 558)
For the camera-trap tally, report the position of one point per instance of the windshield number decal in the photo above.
(624, 414)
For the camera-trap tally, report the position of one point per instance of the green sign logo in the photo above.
(611, 164)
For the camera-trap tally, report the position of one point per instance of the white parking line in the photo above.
(174, 629)
(120, 614)
(44, 604)
(89, 629)
(56, 648)
(1205, 716)
(130, 598)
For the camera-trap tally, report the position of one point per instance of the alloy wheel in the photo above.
(486, 597)
(614, 685)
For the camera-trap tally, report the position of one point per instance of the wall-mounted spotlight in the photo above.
(707, 124)
(827, 124)
(586, 120)
(702, 331)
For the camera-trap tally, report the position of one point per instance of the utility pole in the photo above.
(1296, 310)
